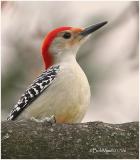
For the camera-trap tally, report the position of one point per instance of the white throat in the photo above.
(65, 57)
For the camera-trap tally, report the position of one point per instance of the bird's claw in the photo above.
(50, 120)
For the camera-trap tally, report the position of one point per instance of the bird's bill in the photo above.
(92, 28)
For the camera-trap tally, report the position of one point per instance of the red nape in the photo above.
(47, 57)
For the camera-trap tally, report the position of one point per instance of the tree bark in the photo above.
(32, 140)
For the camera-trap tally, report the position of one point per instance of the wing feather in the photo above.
(34, 91)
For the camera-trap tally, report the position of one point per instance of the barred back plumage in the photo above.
(34, 90)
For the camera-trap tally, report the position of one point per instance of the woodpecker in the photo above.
(62, 90)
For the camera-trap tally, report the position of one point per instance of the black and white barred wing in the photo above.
(34, 91)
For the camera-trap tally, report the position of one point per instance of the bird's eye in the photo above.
(67, 35)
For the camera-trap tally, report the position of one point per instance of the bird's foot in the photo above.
(50, 120)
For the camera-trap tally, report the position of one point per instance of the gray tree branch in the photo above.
(28, 139)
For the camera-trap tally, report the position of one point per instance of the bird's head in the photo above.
(64, 41)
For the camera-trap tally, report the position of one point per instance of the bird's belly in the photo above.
(66, 100)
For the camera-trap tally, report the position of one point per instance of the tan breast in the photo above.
(67, 98)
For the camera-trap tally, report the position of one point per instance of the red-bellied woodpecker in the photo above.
(62, 89)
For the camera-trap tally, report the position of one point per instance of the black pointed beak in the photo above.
(92, 28)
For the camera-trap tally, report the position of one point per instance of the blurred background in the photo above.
(109, 58)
